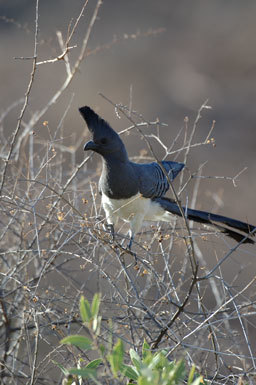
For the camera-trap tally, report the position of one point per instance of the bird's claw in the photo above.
(110, 227)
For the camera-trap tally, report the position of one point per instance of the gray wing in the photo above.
(152, 180)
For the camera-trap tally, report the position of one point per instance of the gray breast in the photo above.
(118, 181)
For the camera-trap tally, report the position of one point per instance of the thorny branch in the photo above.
(54, 248)
(35, 118)
(24, 107)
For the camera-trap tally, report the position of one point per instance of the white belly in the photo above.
(134, 210)
(125, 208)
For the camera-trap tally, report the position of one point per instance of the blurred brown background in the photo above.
(206, 50)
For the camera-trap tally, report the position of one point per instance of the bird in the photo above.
(135, 192)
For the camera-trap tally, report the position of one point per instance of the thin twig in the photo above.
(36, 348)
(35, 118)
(25, 104)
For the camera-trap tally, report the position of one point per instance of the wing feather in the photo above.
(152, 180)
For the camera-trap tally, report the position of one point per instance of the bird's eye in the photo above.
(103, 141)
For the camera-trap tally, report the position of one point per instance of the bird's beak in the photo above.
(90, 146)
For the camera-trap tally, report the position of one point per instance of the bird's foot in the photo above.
(129, 246)
(110, 227)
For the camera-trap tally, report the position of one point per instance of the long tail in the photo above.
(216, 220)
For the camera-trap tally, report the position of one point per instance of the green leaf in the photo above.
(70, 380)
(102, 349)
(138, 364)
(116, 357)
(178, 372)
(94, 364)
(61, 367)
(136, 360)
(85, 310)
(191, 375)
(77, 340)
(83, 372)
(146, 350)
(163, 362)
(145, 345)
(199, 380)
(95, 305)
(129, 372)
(164, 352)
(155, 361)
(96, 325)
(144, 381)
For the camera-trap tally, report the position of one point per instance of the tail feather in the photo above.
(219, 221)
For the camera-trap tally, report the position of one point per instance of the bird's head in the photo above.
(105, 140)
